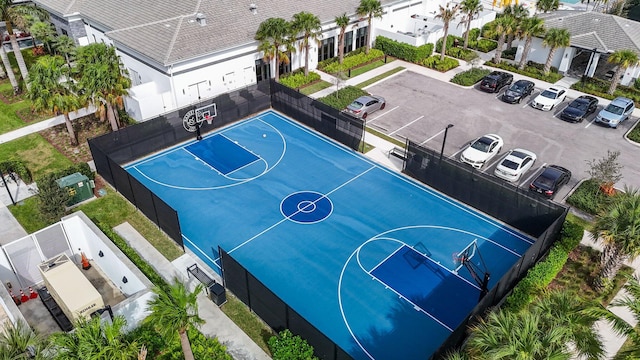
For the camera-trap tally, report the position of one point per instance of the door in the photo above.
(263, 70)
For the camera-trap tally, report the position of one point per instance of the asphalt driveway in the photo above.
(419, 108)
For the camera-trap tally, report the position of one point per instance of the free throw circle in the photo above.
(306, 207)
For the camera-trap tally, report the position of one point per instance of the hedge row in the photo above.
(343, 97)
(297, 79)
(352, 61)
(599, 87)
(17, 167)
(470, 77)
(403, 51)
(541, 275)
(433, 62)
(533, 70)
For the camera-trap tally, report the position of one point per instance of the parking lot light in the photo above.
(444, 140)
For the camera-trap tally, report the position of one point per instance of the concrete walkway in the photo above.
(217, 324)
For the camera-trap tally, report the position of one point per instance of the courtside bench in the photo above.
(216, 291)
(398, 152)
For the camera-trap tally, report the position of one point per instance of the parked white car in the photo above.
(482, 150)
(549, 98)
(516, 163)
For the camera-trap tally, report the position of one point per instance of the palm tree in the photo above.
(42, 31)
(174, 312)
(51, 89)
(9, 70)
(103, 79)
(370, 9)
(95, 340)
(618, 227)
(470, 8)
(631, 300)
(624, 59)
(547, 5)
(18, 341)
(555, 38)
(554, 327)
(501, 27)
(311, 29)
(16, 15)
(446, 14)
(519, 13)
(65, 46)
(530, 27)
(275, 43)
(342, 21)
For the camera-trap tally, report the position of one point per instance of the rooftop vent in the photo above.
(253, 8)
(201, 19)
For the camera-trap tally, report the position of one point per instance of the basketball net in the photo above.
(209, 119)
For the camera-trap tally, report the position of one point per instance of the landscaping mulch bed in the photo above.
(86, 128)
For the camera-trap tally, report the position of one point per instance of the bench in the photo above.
(398, 152)
(200, 276)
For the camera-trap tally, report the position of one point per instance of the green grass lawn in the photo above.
(320, 85)
(379, 77)
(370, 66)
(28, 215)
(240, 314)
(9, 120)
(37, 154)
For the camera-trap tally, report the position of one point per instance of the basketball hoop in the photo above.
(209, 119)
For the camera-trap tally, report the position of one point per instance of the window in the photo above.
(135, 77)
(361, 37)
(64, 32)
(348, 42)
(326, 50)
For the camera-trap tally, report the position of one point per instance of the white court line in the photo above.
(402, 127)
(528, 180)
(431, 138)
(244, 166)
(202, 252)
(383, 260)
(297, 212)
(381, 115)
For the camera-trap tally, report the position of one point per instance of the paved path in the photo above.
(44, 124)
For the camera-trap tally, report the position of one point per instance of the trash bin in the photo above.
(217, 294)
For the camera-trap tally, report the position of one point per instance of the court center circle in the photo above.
(306, 207)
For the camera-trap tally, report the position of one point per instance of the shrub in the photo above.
(403, 51)
(297, 79)
(343, 97)
(510, 53)
(636, 84)
(587, 197)
(433, 62)
(286, 346)
(351, 62)
(485, 45)
(534, 71)
(18, 167)
(52, 199)
(600, 87)
(470, 77)
(541, 275)
(634, 135)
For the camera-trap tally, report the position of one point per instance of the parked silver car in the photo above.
(616, 112)
(365, 105)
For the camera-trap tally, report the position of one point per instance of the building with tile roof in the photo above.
(594, 36)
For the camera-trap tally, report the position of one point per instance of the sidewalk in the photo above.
(44, 124)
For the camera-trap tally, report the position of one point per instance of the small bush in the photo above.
(354, 61)
(343, 97)
(286, 346)
(470, 77)
(634, 135)
(18, 167)
(485, 45)
(297, 79)
(510, 53)
(433, 62)
(588, 197)
(403, 51)
(636, 84)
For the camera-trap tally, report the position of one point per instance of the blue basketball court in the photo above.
(366, 255)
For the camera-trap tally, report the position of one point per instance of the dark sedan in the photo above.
(551, 179)
(579, 109)
(518, 91)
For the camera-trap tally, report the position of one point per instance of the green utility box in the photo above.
(79, 186)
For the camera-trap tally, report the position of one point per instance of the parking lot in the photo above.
(420, 108)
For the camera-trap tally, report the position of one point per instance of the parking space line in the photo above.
(383, 114)
(431, 138)
(528, 180)
(590, 122)
(557, 114)
(402, 127)
(453, 156)
(488, 166)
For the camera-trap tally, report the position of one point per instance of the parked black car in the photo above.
(518, 91)
(495, 81)
(551, 179)
(579, 109)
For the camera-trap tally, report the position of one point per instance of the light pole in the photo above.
(444, 140)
